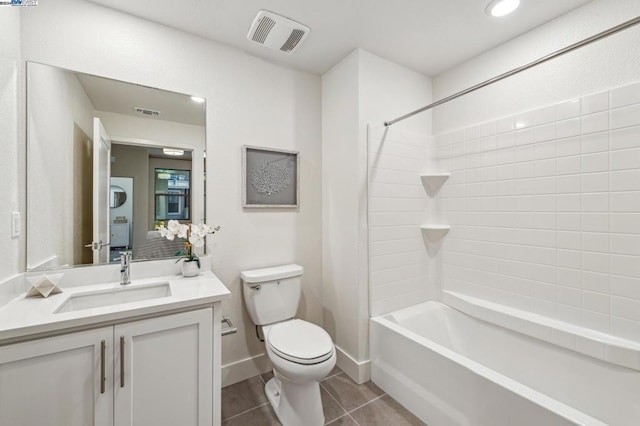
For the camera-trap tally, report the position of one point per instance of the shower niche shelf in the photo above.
(435, 233)
(432, 182)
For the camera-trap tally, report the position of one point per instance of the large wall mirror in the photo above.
(105, 160)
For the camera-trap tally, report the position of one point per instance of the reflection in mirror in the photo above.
(118, 196)
(96, 150)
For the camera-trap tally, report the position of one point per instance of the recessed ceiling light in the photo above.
(499, 8)
(197, 99)
(174, 152)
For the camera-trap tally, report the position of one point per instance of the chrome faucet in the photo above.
(125, 263)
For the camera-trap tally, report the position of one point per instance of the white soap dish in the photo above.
(432, 182)
(435, 232)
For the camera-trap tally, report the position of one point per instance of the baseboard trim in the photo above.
(244, 369)
(359, 371)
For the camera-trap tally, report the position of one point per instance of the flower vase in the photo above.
(190, 268)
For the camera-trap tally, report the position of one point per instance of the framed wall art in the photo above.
(270, 178)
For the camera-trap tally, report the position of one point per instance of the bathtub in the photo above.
(449, 368)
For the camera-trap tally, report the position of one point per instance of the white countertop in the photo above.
(27, 316)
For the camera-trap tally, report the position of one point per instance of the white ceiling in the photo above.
(428, 36)
(120, 97)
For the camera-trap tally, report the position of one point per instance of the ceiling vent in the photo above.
(147, 111)
(277, 32)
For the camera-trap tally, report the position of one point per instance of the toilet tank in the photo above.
(272, 294)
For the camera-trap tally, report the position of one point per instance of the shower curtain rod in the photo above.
(539, 61)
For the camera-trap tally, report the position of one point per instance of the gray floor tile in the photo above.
(345, 420)
(349, 394)
(333, 372)
(261, 416)
(332, 410)
(242, 396)
(385, 411)
(267, 376)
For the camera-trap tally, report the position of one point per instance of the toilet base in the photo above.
(295, 404)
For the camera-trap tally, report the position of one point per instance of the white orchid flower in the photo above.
(196, 240)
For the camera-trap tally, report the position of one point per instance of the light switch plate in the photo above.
(15, 224)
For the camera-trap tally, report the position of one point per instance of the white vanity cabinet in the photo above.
(155, 371)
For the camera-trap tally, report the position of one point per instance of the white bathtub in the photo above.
(451, 369)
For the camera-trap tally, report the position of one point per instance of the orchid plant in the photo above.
(192, 234)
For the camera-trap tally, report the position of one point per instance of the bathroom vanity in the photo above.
(104, 354)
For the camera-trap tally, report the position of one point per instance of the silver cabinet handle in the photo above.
(96, 245)
(121, 361)
(103, 377)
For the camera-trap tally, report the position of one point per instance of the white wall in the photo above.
(543, 198)
(361, 89)
(11, 160)
(249, 101)
(57, 102)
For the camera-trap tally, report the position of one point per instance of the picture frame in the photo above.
(270, 178)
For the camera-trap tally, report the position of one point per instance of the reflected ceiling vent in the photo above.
(147, 111)
(277, 32)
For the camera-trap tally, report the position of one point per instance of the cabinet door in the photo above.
(163, 371)
(58, 380)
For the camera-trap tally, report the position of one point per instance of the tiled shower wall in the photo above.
(401, 272)
(544, 209)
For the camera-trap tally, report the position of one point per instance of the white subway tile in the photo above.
(625, 117)
(569, 296)
(628, 223)
(623, 307)
(595, 142)
(625, 159)
(568, 146)
(595, 281)
(622, 202)
(545, 132)
(568, 184)
(487, 129)
(524, 120)
(592, 163)
(593, 123)
(625, 244)
(625, 286)
(595, 103)
(596, 182)
(506, 124)
(595, 222)
(569, 314)
(569, 277)
(595, 202)
(569, 240)
(568, 109)
(568, 128)
(595, 320)
(544, 115)
(595, 262)
(597, 242)
(625, 138)
(627, 95)
(569, 259)
(626, 180)
(626, 329)
(568, 203)
(568, 165)
(628, 266)
(568, 221)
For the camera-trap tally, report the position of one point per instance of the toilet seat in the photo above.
(300, 342)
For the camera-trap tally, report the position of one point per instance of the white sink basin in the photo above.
(124, 294)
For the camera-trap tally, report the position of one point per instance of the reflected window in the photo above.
(172, 193)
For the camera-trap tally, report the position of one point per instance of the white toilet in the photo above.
(302, 353)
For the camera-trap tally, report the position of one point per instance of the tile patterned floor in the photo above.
(344, 402)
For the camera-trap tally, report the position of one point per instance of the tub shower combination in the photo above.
(449, 368)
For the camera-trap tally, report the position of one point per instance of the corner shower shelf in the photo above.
(435, 232)
(433, 182)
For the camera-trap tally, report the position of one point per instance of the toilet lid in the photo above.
(300, 342)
